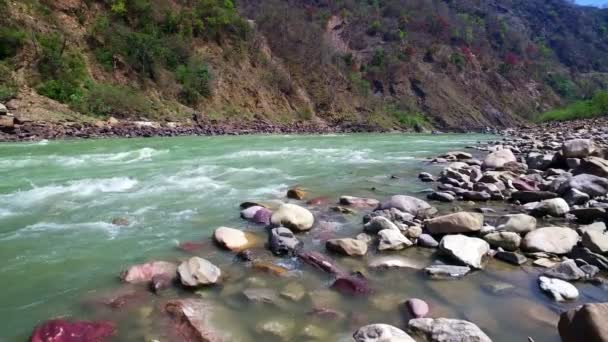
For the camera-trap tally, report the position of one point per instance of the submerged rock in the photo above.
(144, 273)
(198, 271)
(60, 330)
(359, 202)
(462, 222)
(195, 320)
(558, 289)
(353, 285)
(585, 323)
(320, 261)
(467, 250)
(381, 333)
(277, 329)
(446, 330)
(447, 271)
(293, 217)
(395, 262)
(296, 193)
(391, 239)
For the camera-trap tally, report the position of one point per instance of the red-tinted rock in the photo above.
(353, 285)
(417, 307)
(60, 330)
(320, 261)
(522, 185)
(144, 273)
(262, 216)
(161, 282)
(194, 320)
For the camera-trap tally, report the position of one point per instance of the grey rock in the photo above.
(390, 239)
(558, 289)
(347, 246)
(381, 333)
(441, 196)
(556, 240)
(282, 241)
(498, 159)
(410, 205)
(378, 223)
(532, 196)
(553, 207)
(511, 257)
(596, 241)
(467, 250)
(509, 241)
(447, 271)
(426, 240)
(566, 270)
(575, 197)
(577, 148)
(446, 330)
(198, 271)
(593, 186)
(461, 222)
(517, 223)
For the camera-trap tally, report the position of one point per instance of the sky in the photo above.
(591, 2)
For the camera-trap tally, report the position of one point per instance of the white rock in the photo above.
(560, 290)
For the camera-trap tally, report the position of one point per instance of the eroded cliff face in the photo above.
(293, 65)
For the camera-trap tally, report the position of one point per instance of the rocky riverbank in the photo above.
(535, 201)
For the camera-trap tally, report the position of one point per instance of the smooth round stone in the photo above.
(558, 289)
(381, 333)
(231, 239)
(347, 246)
(293, 217)
(417, 307)
(198, 271)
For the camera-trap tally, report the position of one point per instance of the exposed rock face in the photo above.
(194, 320)
(144, 273)
(381, 333)
(232, 239)
(408, 204)
(446, 330)
(391, 239)
(462, 222)
(60, 330)
(577, 148)
(585, 323)
(518, 223)
(282, 241)
(556, 240)
(558, 289)
(347, 246)
(198, 271)
(467, 250)
(293, 217)
(498, 159)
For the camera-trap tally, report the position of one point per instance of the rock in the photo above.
(447, 271)
(61, 330)
(378, 223)
(476, 196)
(532, 196)
(263, 296)
(426, 177)
(294, 291)
(391, 239)
(558, 289)
(566, 270)
(395, 262)
(144, 273)
(509, 241)
(296, 193)
(162, 282)
(312, 332)
(426, 240)
(498, 159)
(589, 215)
(320, 261)
(393, 215)
(417, 307)
(262, 216)
(539, 161)
(293, 217)
(410, 205)
(577, 148)
(441, 196)
(497, 287)
(596, 226)
(350, 247)
(282, 241)
(195, 320)
(596, 241)
(120, 221)
(461, 222)
(467, 250)
(575, 197)
(353, 285)
(517, 223)
(249, 213)
(556, 240)
(590, 257)
(3, 109)
(446, 330)
(514, 167)
(277, 329)
(232, 239)
(381, 333)
(359, 202)
(591, 185)
(511, 257)
(544, 262)
(585, 323)
(7, 121)
(270, 268)
(198, 271)
(593, 166)
(553, 207)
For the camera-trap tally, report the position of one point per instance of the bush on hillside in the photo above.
(11, 40)
(107, 99)
(596, 106)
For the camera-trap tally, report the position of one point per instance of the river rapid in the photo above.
(59, 250)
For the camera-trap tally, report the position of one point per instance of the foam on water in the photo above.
(129, 157)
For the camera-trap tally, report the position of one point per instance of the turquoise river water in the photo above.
(59, 249)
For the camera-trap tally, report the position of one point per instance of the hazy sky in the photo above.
(591, 2)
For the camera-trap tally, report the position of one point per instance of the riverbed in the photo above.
(60, 250)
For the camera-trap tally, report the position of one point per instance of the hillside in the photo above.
(389, 64)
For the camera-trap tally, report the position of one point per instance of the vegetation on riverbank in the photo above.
(584, 109)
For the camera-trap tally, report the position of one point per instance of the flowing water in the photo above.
(59, 249)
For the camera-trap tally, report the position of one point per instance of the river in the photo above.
(59, 248)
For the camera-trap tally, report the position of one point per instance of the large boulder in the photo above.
(508, 241)
(517, 223)
(556, 240)
(596, 241)
(231, 239)
(462, 222)
(498, 159)
(293, 217)
(539, 161)
(577, 148)
(61, 330)
(198, 271)
(559, 289)
(532, 196)
(249, 213)
(381, 333)
(393, 240)
(196, 319)
(408, 204)
(467, 250)
(593, 166)
(556, 207)
(144, 273)
(585, 323)
(593, 186)
(282, 241)
(347, 246)
(378, 223)
(446, 330)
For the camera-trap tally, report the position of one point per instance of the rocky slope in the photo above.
(392, 64)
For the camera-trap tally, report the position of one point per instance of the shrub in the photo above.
(359, 85)
(11, 40)
(106, 99)
(378, 58)
(562, 85)
(195, 78)
(596, 106)
(8, 86)
(458, 60)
